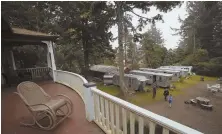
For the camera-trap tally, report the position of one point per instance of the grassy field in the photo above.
(111, 89)
(144, 98)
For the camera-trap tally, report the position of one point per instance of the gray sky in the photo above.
(170, 20)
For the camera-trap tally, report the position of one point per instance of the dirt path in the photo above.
(208, 122)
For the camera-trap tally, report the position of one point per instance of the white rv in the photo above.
(162, 79)
(132, 82)
(175, 77)
(187, 68)
(183, 72)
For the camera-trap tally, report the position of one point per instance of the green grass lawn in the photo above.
(144, 98)
(110, 89)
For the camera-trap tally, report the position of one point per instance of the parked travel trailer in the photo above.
(108, 79)
(132, 82)
(176, 74)
(183, 72)
(188, 68)
(162, 79)
(98, 71)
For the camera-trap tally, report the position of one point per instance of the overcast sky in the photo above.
(170, 20)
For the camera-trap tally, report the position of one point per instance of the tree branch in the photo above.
(139, 15)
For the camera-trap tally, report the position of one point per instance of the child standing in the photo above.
(170, 99)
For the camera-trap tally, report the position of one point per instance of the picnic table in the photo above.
(202, 100)
(216, 86)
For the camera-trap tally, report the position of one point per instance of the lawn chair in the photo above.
(42, 106)
(208, 87)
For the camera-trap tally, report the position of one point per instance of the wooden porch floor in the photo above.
(14, 111)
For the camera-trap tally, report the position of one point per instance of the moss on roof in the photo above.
(28, 32)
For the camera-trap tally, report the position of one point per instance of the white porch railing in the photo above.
(36, 72)
(113, 114)
(72, 80)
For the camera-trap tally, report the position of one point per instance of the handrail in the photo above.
(32, 68)
(70, 82)
(163, 121)
(84, 80)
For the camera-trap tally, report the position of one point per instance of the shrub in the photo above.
(181, 80)
(208, 69)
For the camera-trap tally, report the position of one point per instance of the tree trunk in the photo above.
(86, 55)
(121, 52)
(133, 56)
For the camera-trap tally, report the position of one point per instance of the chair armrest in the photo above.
(67, 98)
(43, 105)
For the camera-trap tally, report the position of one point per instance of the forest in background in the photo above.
(83, 29)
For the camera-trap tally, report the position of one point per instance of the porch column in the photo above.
(50, 57)
(12, 60)
(89, 102)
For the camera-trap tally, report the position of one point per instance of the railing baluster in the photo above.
(165, 131)
(117, 119)
(102, 110)
(132, 123)
(34, 72)
(152, 127)
(99, 113)
(107, 114)
(141, 125)
(112, 116)
(124, 121)
(95, 96)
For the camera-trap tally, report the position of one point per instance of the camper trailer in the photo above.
(132, 82)
(186, 68)
(108, 79)
(162, 79)
(175, 77)
(183, 72)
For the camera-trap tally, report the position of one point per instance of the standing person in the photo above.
(170, 99)
(154, 85)
(166, 93)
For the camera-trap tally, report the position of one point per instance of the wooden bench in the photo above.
(208, 107)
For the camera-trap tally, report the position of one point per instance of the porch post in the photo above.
(89, 102)
(50, 57)
(13, 60)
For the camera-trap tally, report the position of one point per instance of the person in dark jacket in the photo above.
(166, 93)
(154, 86)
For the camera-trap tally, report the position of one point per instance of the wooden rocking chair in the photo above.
(42, 106)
